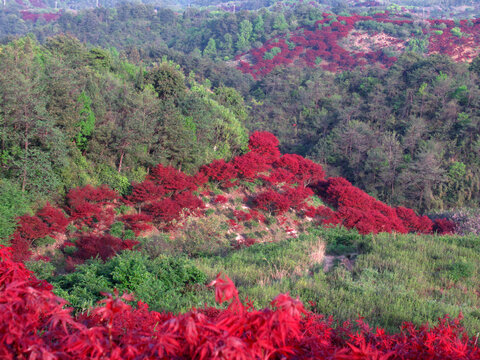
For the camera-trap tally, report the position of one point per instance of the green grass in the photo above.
(395, 278)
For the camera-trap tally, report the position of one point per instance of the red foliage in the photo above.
(35, 324)
(305, 171)
(92, 207)
(412, 222)
(165, 210)
(146, 191)
(220, 199)
(171, 179)
(32, 227)
(265, 144)
(220, 172)
(250, 165)
(100, 195)
(443, 227)
(357, 209)
(103, 246)
(322, 42)
(137, 222)
(165, 193)
(242, 215)
(20, 248)
(272, 201)
(54, 218)
(189, 202)
(278, 176)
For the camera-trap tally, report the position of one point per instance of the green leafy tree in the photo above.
(280, 23)
(86, 124)
(211, 49)
(14, 203)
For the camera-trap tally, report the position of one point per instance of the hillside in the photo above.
(268, 221)
(337, 43)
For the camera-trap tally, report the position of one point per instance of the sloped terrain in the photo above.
(268, 220)
(339, 43)
(263, 183)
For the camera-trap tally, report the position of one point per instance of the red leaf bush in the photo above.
(54, 218)
(264, 144)
(92, 207)
(103, 246)
(443, 226)
(220, 172)
(137, 222)
(357, 209)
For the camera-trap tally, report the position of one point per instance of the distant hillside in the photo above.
(338, 43)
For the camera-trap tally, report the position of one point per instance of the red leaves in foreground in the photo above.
(35, 325)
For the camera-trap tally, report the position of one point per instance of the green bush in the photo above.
(47, 240)
(111, 177)
(117, 229)
(164, 283)
(13, 203)
(43, 270)
(341, 240)
(460, 270)
(456, 31)
(128, 234)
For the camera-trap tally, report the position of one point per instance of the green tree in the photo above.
(211, 49)
(280, 23)
(86, 125)
(14, 203)
(34, 148)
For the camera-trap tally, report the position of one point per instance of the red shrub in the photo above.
(412, 222)
(100, 195)
(278, 176)
(250, 164)
(443, 226)
(297, 196)
(272, 202)
(264, 144)
(171, 179)
(34, 323)
(92, 207)
(188, 202)
(242, 215)
(20, 248)
(137, 222)
(31, 228)
(220, 199)
(304, 170)
(359, 210)
(165, 210)
(146, 191)
(103, 246)
(54, 218)
(220, 172)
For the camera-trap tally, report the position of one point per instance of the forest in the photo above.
(281, 180)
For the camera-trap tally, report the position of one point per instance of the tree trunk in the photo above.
(121, 161)
(24, 176)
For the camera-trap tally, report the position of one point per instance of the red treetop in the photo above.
(266, 144)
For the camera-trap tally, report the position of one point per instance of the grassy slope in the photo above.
(398, 278)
